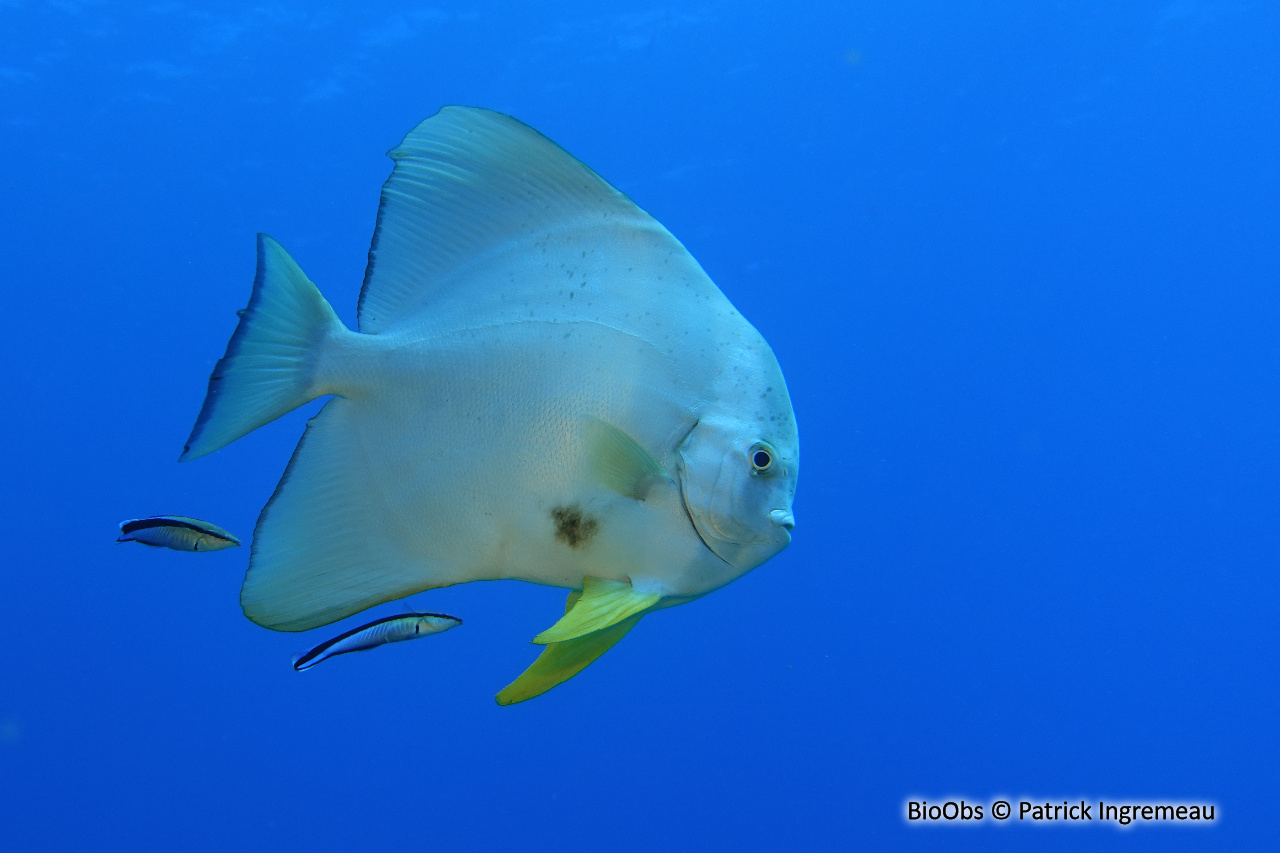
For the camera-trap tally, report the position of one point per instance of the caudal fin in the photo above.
(269, 365)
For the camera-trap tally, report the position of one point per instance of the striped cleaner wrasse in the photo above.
(391, 629)
(176, 532)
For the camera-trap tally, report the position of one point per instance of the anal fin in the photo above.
(603, 603)
(563, 660)
(323, 548)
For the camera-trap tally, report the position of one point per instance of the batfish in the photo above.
(544, 386)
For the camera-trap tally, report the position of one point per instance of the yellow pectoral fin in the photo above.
(562, 661)
(603, 603)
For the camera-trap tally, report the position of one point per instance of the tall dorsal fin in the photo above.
(468, 181)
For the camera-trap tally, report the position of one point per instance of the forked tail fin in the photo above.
(269, 366)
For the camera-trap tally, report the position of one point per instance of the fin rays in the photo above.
(321, 550)
(438, 208)
(619, 461)
(603, 603)
(563, 660)
(266, 371)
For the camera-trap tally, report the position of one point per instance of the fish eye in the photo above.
(761, 458)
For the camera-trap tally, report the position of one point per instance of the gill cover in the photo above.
(732, 508)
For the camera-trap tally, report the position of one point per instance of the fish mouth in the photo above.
(783, 518)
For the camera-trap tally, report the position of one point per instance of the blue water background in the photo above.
(1019, 263)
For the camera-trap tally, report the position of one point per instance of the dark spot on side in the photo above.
(572, 526)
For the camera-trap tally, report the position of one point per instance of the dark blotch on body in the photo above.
(572, 526)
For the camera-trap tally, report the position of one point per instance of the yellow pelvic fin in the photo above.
(619, 461)
(603, 603)
(561, 661)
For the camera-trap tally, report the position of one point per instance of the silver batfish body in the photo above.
(545, 386)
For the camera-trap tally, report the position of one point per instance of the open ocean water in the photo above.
(1020, 264)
